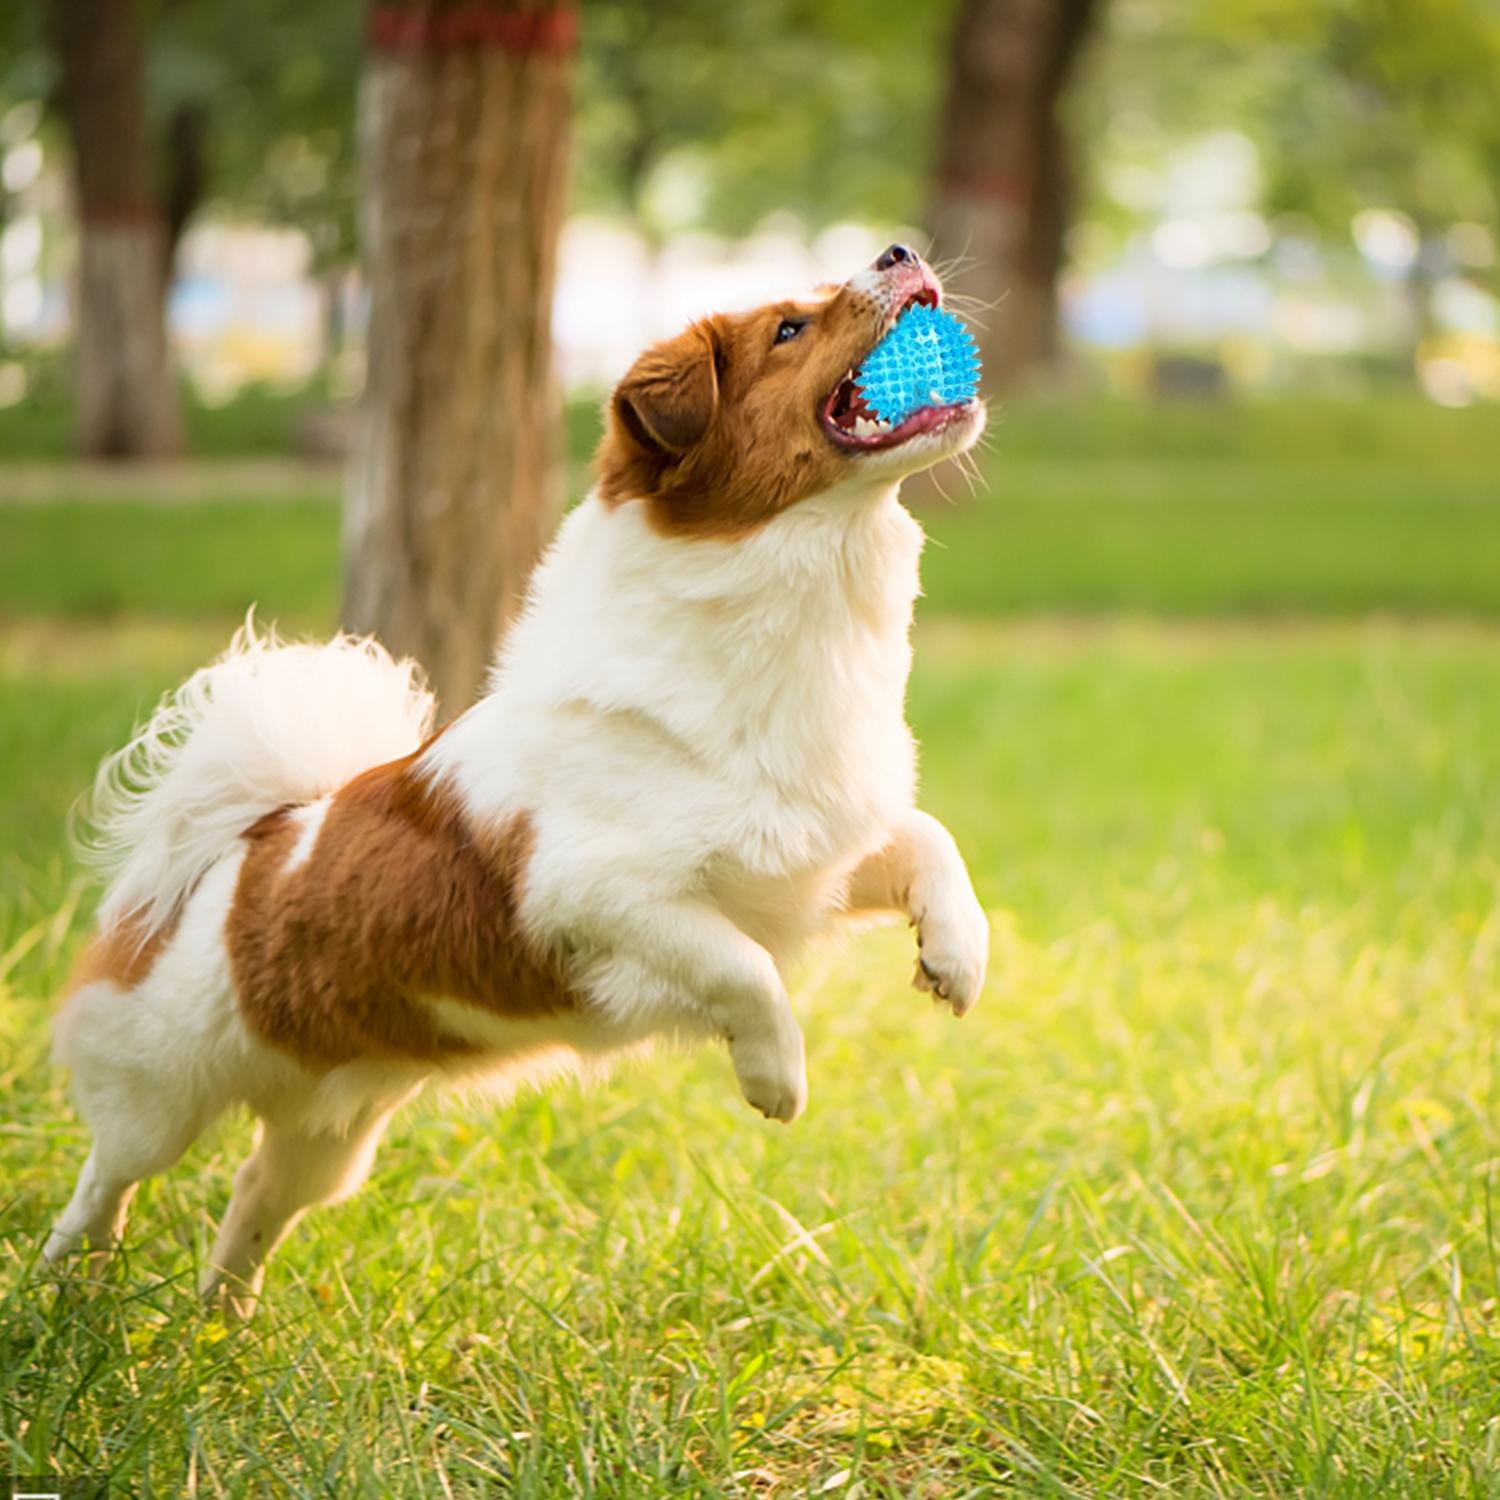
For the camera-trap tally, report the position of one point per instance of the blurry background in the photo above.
(1252, 196)
(312, 304)
(1190, 233)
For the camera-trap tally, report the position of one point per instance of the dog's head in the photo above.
(745, 414)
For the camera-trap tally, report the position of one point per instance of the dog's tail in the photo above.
(266, 725)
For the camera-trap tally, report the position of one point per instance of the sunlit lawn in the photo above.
(1320, 508)
(1199, 1201)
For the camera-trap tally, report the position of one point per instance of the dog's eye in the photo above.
(788, 329)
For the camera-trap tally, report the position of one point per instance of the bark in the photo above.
(127, 401)
(453, 484)
(1004, 182)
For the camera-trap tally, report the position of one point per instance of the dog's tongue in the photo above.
(927, 359)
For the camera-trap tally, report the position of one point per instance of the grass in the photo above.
(1200, 1201)
(1046, 538)
(1322, 508)
(80, 559)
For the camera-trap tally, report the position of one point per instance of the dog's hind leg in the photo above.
(95, 1216)
(290, 1170)
(155, 1058)
(138, 1132)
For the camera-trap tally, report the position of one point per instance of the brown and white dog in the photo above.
(691, 757)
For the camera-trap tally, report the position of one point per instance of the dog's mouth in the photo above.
(855, 427)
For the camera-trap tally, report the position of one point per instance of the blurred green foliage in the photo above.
(277, 83)
(1352, 103)
(696, 114)
(691, 114)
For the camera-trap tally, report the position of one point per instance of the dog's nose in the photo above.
(896, 255)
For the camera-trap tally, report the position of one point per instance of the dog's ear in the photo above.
(668, 398)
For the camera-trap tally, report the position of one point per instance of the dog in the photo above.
(692, 756)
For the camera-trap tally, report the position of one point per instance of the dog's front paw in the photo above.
(953, 934)
(772, 1074)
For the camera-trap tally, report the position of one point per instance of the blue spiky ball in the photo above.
(927, 359)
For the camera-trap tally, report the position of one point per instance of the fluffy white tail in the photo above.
(265, 725)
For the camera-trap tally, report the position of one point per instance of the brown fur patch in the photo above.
(398, 903)
(718, 430)
(124, 955)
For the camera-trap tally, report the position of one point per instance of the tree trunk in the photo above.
(127, 402)
(1004, 190)
(186, 161)
(453, 481)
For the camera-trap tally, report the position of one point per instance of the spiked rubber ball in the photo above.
(927, 359)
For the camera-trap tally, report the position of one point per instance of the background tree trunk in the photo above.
(453, 480)
(127, 401)
(185, 155)
(1004, 186)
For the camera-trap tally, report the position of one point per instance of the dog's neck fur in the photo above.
(848, 556)
(783, 654)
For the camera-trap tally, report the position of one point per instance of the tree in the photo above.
(265, 96)
(452, 489)
(765, 106)
(1352, 105)
(127, 402)
(1004, 179)
(1406, 117)
(171, 103)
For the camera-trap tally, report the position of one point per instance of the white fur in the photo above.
(265, 725)
(309, 821)
(708, 739)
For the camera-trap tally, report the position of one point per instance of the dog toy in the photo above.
(927, 359)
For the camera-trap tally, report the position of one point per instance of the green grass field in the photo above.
(1201, 1200)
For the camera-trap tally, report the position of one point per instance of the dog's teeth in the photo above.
(863, 427)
